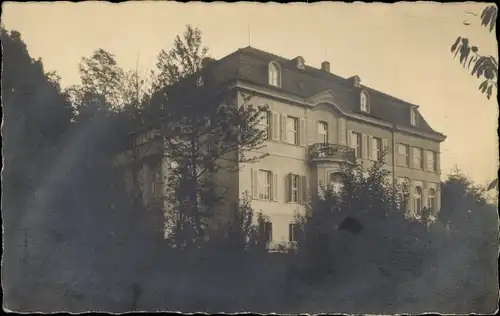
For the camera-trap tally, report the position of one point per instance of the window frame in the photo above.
(358, 146)
(376, 147)
(406, 155)
(323, 134)
(295, 179)
(431, 197)
(413, 116)
(266, 229)
(266, 127)
(420, 157)
(292, 235)
(432, 166)
(292, 126)
(417, 196)
(264, 184)
(274, 74)
(336, 185)
(364, 102)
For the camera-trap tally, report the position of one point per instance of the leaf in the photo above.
(488, 92)
(465, 41)
(493, 20)
(470, 61)
(482, 86)
(454, 46)
(474, 49)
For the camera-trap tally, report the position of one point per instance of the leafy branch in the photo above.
(484, 67)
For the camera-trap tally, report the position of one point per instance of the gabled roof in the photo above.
(251, 65)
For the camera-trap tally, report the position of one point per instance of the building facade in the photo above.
(317, 122)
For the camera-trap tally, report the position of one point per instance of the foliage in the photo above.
(206, 135)
(483, 66)
(459, 195)
(37, 116)
(182, 60)
(360, 226)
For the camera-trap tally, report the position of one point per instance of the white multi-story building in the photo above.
(317, 122)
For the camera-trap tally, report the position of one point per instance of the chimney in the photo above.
(206, 61)
(325, 66)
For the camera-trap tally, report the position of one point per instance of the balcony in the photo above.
(332, 152)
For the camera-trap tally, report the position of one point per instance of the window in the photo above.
(323, 132)
(264, 184)
(417, 198)
(335, 181)
(264, 123)
(403, 155)
(431, 161)
(413, 117)
(293, 232)
(294, 190)
(274, 74)
(376, 148)
(364, 102)
(418, 161)
(431, 200)
(266, 229)
(356, 144)
(292, 126)
(156, 182)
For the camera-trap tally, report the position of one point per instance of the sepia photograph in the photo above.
(246, 157)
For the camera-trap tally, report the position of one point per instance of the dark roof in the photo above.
(251, 65)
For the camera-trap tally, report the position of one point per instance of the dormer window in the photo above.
(274, 74)
(413, 117)
(364, 102)
(301, 64)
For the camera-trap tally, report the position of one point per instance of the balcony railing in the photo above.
(321, 151)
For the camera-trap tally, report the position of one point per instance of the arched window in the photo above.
(413, 117)
(431, 200)
(364, 102)
(274, 75)
(335, 181)
(417, 198)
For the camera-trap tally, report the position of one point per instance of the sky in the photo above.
(401, 49)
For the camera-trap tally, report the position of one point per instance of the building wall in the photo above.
(285, 158)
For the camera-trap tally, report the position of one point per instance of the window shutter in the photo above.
(364, 145)
(437, 163)
(288, 187)
(275, 126)
(319, 137)
(371, 148)
(304, 188)
(270, 231)
(349, 138)
(302, 132)
(312, 132)
(413, 152)
(255, 190)
(385, 149)
(341, 132)
(283, 128)
(424, 159)
(275, 186)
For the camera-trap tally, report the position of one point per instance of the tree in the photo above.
(483, 67)
(183, 60)
(205, 133)
(37, 116)
(360, 235)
